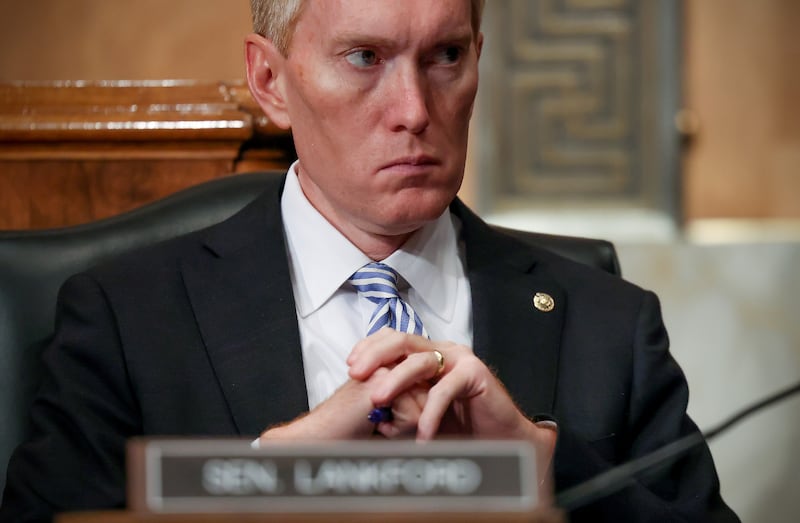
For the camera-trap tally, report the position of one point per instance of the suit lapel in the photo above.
(515, 339)
(242, 296)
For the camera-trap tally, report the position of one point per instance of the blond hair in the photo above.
(275, 19)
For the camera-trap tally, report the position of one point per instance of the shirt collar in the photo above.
(428, 261)
(322, 259)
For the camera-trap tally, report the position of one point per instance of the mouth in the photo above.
(410, 164)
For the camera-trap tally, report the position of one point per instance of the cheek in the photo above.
(312, 91)
(327, 107)
(467, 99)
(454, 105)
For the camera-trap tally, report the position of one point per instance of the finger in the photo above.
(406, 410)
(419, 395)
(415, 368)
(440, 397)
(384, 348)
(365, 343)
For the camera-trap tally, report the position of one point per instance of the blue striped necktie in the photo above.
(377, 282)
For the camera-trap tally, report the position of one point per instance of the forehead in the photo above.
(400, 20)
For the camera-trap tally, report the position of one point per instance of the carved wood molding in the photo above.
(72, 152)
(160, 112)
(577, 104)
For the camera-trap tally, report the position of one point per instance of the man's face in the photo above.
(379, 94)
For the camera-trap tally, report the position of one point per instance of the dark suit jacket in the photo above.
(198, 336)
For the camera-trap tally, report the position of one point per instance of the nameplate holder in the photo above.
(212, 475)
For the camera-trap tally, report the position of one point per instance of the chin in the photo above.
(411, 215)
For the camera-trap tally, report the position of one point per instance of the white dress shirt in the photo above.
(331, 315)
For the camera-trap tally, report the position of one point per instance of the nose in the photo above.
(407, 101)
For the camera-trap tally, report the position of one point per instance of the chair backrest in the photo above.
(34, 264)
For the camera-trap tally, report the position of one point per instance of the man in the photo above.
(257, 326)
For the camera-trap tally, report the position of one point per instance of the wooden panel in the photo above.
(742, 85)
(49, 40)
(52, 193)
(72, 152)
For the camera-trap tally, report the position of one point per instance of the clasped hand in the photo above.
(463, 398)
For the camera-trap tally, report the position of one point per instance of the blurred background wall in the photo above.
(741, 87)
(718, 234)
(122, 39)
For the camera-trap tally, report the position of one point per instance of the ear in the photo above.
(479, 44)
(265, 65)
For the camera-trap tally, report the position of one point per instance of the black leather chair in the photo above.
(34, 264)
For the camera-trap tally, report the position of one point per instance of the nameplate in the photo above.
(377, 476)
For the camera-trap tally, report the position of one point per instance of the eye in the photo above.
(363, 58)
(449, 55)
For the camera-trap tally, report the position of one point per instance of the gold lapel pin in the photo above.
(543, 302)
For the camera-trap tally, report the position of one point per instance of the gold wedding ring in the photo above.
(439, 361)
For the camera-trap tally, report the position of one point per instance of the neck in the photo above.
(376, 244)
(378, 247)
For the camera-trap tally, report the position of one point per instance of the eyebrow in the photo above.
(352, 38)
(348, 38)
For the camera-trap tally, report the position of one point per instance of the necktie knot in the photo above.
(377, 282)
